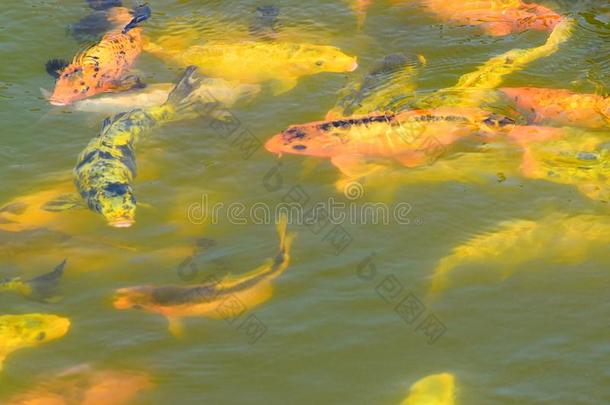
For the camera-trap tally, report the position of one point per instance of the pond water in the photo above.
(511, 331)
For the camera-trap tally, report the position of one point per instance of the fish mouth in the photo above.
(353, 67)
(58, 103)
(122, 223)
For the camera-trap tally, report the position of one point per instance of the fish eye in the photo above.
(320, 63)
(41, 336)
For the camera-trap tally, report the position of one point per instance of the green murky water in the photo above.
(532, 333)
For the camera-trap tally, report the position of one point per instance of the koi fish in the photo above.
(495, 17)
(388, 82)
(437, 389)
(104, 66)
(265, 25)
(569, 157)
(87, 387)
(29, 330)
(98, 22)
(207, 300)
(413, 138)
(224, 92)
(360, 8)
(282, 63)
(480, 86)
(42, 288)
(558, 237)
(106, 168)
(560, 107)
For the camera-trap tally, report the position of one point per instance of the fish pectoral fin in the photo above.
(175, 326)
(127, 83)
(281, 86)
(64, 202)
(353, 165)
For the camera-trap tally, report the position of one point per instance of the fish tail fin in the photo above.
(185, 99)
(140, 14)
(286, 240)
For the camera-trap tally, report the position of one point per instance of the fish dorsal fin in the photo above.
(64, 202)
(54, 67)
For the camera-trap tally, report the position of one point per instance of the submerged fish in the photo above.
(437, 389)
(388, 82)
(106, 168)
(265, 26)
(30, 330)
(480, 86)
(208, 300)
(83, 386)
(573, 158)
(104, 66)
(560, 107)
(224, 92)
(413, 138)
(561, 238)
(495, 17)
(42, 288)
(360, 7)
(282, 63)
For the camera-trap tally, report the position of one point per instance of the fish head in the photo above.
(318, 59)
(32, 329)
(71, 85)
(316, 139)
(132, 298)
(117, 202)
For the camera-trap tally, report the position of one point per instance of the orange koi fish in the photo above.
(85, 386)
(104, 66)
(495, 17)
(560, 107)
(413, 138)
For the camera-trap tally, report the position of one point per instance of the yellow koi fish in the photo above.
(389, 83)
(30, 330)
(282, 63)
(42, 288)
(437, 389)
(558, 237)
(177, 302)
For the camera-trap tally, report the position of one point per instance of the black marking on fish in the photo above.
(117, 189)
(586, 156)
(299, 147)
(88, 158)
(54, 67)
(347, 123)
(175, 295)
